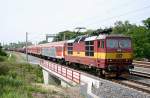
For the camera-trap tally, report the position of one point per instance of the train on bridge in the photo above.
(106, 54)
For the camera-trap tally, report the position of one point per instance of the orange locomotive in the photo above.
(108, 54)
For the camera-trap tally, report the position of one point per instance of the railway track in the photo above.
(133, 81)
(134, 84)
(141, 64)
(140, 74)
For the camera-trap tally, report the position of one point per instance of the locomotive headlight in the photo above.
(109, 60)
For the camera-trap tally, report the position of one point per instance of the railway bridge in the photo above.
(67, 77)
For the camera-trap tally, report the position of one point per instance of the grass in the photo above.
(16, 78)
(23, 80)
(2, 58)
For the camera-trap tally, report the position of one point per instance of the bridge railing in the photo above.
(66, 72)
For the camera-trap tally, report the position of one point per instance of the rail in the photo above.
(141, 64)
(141, 74)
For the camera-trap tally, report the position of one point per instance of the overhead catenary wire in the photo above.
(124, 5)
(120, 15)
(116, 16)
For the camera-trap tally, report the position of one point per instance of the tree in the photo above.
(0, 46)
(16, 45)
(122, 27)
(43, 42)
(147, 23)
(2, 53)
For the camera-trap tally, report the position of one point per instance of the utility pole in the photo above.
(64, 36)
(27, 46)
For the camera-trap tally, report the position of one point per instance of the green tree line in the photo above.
(16, 45)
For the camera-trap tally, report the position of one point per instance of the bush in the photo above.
(13, 74)
(3, 69)
(2, 53)
(1, 59)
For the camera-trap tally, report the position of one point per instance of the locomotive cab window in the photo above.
(70, 48)
(119, 43)
(89, 48)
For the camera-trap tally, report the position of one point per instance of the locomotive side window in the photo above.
(70, 48)
(89, 48)
(98, 44)
(102, 43)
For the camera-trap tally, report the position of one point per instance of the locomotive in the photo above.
(107, 54)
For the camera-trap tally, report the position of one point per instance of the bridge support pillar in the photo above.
(51, 79)
(45, 77)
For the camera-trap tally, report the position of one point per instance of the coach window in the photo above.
(89, 48)
(70, 48)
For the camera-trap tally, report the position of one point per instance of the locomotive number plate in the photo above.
(119, 56)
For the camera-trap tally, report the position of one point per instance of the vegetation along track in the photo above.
(141, 64)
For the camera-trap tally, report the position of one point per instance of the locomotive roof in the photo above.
(103, 36)
(78, 39)
(71, 41)
(90, 38)
(110, 35)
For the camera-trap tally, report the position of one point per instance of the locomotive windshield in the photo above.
(118, 43)
(125, 43)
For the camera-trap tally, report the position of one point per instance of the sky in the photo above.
(40, 17)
